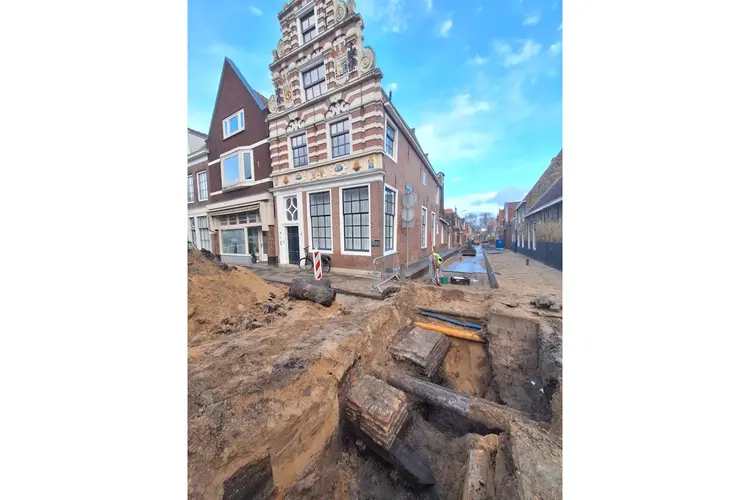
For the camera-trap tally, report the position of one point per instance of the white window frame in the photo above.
(395, 139)
(533, 236)
(191, 191)
(329, 137)
(424, 177)
(423, 221)
(244, 240)
(395, 221)
(309, 220)
(242, 182)
(207, 228)
(240, 121)
(291, 151)
(434, 230)
(198, 176)
(287, 220)
(302, 13)
(442, 234)
(193, 228)
(341, 221)
(307, 67)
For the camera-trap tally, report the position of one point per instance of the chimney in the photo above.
(390, 95)
(441, 176)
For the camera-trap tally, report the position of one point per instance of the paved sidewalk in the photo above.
(343, 282)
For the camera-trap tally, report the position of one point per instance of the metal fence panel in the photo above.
(384, 269)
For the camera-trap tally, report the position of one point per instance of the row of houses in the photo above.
(533, 226)
(322, 163)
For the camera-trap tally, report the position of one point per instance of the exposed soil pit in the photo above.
(266, 404)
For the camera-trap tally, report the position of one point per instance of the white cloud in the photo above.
(255, 10)
(478, 60)
(393, 86)
(429, 5)
(531, 20)
(464, 106)
(529, 50)
(445, 27)
(474, 203)
(389, 13)
(555, 48)
(456, 133)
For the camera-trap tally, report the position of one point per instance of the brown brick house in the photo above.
(198, 193)
(342, 156)
(240, 206)
(539, 217)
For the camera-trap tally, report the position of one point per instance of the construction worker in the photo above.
(438, 261)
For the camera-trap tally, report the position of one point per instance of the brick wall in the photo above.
(408, 170)
(340, 260)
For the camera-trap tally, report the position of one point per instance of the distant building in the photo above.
(538, 228)
(509, 213)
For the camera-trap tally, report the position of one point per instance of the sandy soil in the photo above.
(266, 374)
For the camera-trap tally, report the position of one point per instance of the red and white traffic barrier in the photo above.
(316, 265)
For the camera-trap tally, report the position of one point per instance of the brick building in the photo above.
(539, 218)
(509, 212)
(240, 207)
(342, 156)
(198, 193)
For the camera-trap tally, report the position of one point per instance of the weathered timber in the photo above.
(321, 294)
(492, 415)
(459, 314)
(378, 409)
(478, 483)
(424, 348)
(412, 465)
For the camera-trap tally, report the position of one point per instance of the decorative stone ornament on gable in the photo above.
(295, 124)
(337, 108)
(368, 60)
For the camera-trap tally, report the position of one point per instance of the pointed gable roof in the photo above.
(261, 101)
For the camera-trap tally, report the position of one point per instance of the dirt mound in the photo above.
(223, 295)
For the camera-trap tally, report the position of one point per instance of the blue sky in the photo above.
(480, 80)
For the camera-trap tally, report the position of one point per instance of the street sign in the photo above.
(407, 214)
(409, 199)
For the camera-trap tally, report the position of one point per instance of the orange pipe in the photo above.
(451, 332)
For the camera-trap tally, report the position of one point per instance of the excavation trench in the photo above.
(285, 435)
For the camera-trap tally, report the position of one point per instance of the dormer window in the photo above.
(234, 124)
(308, 27)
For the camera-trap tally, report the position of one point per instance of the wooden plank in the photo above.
(478, 484)
(490, 414)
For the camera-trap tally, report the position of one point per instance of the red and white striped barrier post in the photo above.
(316, 265)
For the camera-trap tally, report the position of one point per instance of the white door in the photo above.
(289, 209)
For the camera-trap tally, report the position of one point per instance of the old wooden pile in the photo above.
(379, 409)
(376, 412)
(424, 348)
